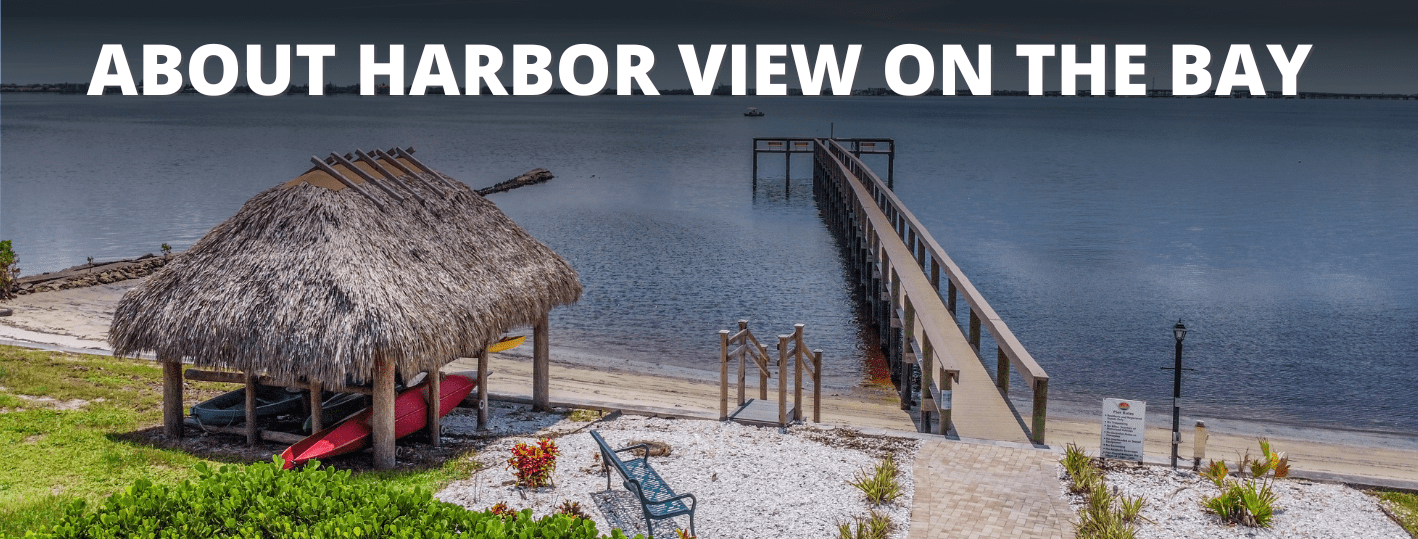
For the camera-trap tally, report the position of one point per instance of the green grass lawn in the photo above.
(53, 456)
(1404, 505)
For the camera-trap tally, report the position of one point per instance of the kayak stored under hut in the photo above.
(410, 416)
(230, 408)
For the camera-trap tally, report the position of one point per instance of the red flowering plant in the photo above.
(533, 464)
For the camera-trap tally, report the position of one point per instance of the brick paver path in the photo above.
(967, 491)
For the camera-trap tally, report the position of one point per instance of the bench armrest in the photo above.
(646, 447)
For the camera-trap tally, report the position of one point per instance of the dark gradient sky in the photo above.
(1366, 46)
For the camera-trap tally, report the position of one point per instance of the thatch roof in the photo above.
(319, 276)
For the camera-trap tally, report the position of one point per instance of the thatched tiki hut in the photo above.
(363, 266)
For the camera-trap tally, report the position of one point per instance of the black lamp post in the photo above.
(1179, 332)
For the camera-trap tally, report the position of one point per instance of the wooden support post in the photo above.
(935, 274)
(482, 390)
(891, 168)
(1001, 369)
(743, 371)
(762, 374)
(435, 412)
(927, 363)
(317, 407)
(782, 380)
(382, 423)
(541, 366)
(974, 330)
(950, 297)
(946, 397)
(172, 398)
(723, 374)
(798, 372)
(755, 164)
(1041, 405)
(817, 386)
(251, 435)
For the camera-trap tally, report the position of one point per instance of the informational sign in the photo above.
(1123, 429)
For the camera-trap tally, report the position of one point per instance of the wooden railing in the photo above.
(743, 346)
(910, 264)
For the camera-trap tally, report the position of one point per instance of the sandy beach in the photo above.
(78, 319)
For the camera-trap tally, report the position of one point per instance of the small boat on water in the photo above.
(230, 408)
(353, 434)
(753, 111)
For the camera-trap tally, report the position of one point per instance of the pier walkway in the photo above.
(911, 289)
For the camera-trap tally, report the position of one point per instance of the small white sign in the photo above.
(1123, 429)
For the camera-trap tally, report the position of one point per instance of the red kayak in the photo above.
(353, 434)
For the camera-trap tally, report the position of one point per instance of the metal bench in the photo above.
(657, 500)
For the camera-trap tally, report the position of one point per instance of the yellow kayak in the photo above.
(507, 343)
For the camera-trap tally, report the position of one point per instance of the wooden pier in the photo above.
(912, 290)
(857, 146)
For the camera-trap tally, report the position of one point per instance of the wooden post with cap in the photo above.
(541, 365)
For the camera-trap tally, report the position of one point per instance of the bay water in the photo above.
(1283, 233)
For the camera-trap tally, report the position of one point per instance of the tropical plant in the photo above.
(8, 271)
(262, 500)
(1100, 518)
(876, 525)
(1216, 472)
(1082, 472)
(1278, 463)
(879, 486)
(501, 509)
(533, 464)
(1250, 502)
(1131, 508)
(571, 509)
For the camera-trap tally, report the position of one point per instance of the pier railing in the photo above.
(904, 266)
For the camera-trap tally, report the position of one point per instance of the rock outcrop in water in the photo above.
(92, 274)
(530, 177)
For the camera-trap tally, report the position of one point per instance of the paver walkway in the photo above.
(967, 491)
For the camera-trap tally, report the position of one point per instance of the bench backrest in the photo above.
(608, 454)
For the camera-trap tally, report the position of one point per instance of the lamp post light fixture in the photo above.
(1179, 332)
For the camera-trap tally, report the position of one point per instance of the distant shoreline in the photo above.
(78, 88)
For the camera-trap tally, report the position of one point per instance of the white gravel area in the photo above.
(1304, 509)
(749, 482)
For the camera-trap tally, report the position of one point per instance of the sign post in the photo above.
(1123, 429)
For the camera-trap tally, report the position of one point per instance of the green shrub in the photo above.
(8, 271)
(880, 485)
(1217, 471)
(1248, 503)
(262, 500)
(1082, 472)
(1105, 515)
(875, 525)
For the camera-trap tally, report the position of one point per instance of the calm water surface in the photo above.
(1283, 233)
